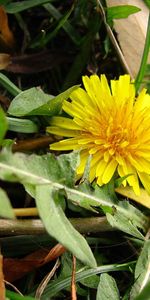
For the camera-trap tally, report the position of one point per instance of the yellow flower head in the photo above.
(112, 125)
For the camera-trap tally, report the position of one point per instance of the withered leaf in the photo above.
(7, 41)
(15, 269)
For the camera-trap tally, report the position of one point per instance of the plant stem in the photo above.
(142, 69)
(35, 227)
(26, 145)
(26, 212)
(114, 41)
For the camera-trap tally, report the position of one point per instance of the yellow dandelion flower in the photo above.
(111, 125)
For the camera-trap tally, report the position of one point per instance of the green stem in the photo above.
(142, 69)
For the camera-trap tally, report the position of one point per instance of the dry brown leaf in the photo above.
(54, 253)
(36, 62)
(6, 35)
(2, 285)
(5, 60)
(13, 287)
(15, 269)
(132, 33)
(46, 280)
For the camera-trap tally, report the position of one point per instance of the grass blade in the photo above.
(69, 29)
(59, 284)
(142, 69)
(8, 85)
(16, 7)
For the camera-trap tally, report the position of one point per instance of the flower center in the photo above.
(117, 140)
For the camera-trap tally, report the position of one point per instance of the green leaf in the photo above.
(56, 286)
(147, 2)
(66, 270)
(36, 170)
(59, 173)
(120, 12)
(8, 85)
(58, 226)
(16, 296)
(145, 293)
(142, 271)
(123, 223)
(107, 288)
(3, 125)
(16, 7)
(91, 282)
(66, 265)
(6, 210)
(35, 102)
(88, 198)
(22, 125)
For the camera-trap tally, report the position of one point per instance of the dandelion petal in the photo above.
(109, 171)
